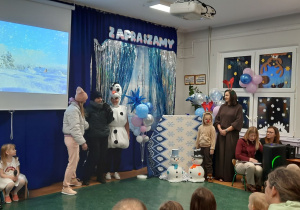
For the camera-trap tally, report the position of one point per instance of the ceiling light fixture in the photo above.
(159, 5)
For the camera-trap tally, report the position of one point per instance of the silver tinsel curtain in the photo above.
(133, 66)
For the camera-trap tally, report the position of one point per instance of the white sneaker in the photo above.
(108, 176)
(68, 191)
(117, 175)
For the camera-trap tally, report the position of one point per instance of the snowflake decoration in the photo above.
(260, 100)
(264, 110)
(273, 112)
(272, 118)
(286, 108)
(189, 124)
(180, 139)
(244, 110)
(179, 119)
(179, 129)
(268, 99)
(261, 117)
(135, 98)
(283, 114)
(277, 99)
(260, 125)
(284, 101)
(272, 105)
(278, 109)
(189, 133)
(171, 133)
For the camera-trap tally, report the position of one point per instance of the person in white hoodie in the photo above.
(206, 140)
(74, 125)
(282, 189)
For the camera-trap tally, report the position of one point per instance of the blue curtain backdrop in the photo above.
(38, 134)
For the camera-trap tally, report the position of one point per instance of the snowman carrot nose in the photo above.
(113, 92)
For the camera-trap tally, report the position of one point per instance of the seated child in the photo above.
(10, 173)
(171, 205)
(257, 201)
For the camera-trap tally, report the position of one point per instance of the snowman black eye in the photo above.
(118, 89)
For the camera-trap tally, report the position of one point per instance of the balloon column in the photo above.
(211, 103)
(142, 120)
(250, 81)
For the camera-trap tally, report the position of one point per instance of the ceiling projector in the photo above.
(192, 10)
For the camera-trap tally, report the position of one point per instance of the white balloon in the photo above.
(139, 139)
(148, 128)
(146, 138)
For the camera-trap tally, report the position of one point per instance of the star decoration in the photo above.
(289, 56)
(246, 62)
(135, 98)
(287, 68)
(235, 73)
(263, 60)
(237, 59)
(272, 75)
(285, 82)
(229, 66)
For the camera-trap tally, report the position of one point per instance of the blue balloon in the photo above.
(142, 111)
(150, 107)
(199, 112)
(245, 78)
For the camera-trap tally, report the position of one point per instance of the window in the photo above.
(273, 102)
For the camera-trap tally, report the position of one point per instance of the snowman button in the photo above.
(116, 141)
(121, 113)
(115, 131)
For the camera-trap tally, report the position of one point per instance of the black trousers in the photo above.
(97, 157)
(114, 159)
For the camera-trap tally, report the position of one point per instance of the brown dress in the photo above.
(225, 145)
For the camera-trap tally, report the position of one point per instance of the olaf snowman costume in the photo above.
(118, 138)
(196, 172)
(174, 172)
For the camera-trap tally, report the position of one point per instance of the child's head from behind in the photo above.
(257, 201)
(203, 199)
(171, 205)
(207, 118)
(130, 204)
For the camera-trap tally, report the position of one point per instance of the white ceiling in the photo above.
(228, 12)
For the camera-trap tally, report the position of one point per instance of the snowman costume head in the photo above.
(116, 92)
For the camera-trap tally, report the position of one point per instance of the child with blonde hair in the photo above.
(206, 140)
(10, 173)
(257, 201)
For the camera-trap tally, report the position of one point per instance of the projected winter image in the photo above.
(32, 59)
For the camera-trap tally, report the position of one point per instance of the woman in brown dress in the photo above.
(229, 122)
